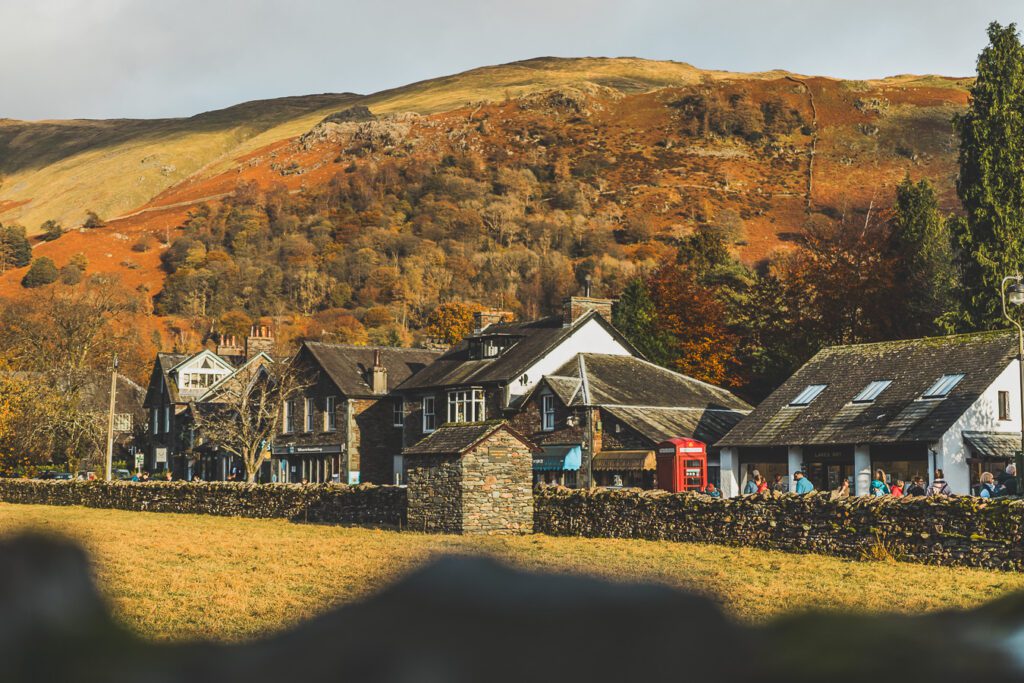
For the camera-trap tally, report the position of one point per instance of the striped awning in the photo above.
(557, 458)
(625, 460)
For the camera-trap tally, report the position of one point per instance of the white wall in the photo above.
(982, 416)
(590, 337)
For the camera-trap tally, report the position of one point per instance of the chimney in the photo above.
(575, 307)
(378, 375)
(484, 319)
(260, 340)
(229, 347)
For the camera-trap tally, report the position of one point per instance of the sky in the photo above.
(154, 58)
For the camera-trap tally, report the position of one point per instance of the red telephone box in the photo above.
(682, 465)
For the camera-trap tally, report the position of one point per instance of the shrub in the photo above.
(51, 230)
(41, 272)
(70, 274)
(144, 243)
(92, 220)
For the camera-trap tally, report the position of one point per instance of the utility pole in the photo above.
(110, 419)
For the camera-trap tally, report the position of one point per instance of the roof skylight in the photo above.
(872, 390)
(942, 386)
(808, 394)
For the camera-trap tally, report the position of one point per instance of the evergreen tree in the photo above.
(17, 250)
(991, 180)
(41, 272)
(922, 254)
(51, 230)
(636, 317)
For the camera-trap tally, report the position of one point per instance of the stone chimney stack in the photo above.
(260, 340)
(575, 307)
(484, 319)
(378, 375)
(229, 347)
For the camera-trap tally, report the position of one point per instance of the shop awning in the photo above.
(625, 460)
(996, 445)
(557, 458)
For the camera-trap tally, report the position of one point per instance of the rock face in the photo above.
(465, 620)
(960, 531)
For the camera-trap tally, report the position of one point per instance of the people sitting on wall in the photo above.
(917, 487)
(878, 485)
(751, 486)
(802, 484)
(842, 491)
(897, 489)
(987, 485)
(1006, 485)
(761, 484)
(779, 486)
(712, 490)
(939, 487)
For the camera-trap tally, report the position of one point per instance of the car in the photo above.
(122, 475)
(53, 474)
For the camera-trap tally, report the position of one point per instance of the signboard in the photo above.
(161, 455)
(140, 460)
(353, 478)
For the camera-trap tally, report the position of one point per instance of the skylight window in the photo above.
(808, 394)
(872, 390)
(942, 386)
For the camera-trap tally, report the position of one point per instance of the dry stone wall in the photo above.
(435, 493)
(325, 503)
(960, 531)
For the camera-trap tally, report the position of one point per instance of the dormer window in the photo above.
(808, 394)
(869, 393)
(489, 346)
(942, 386)
(547, 409)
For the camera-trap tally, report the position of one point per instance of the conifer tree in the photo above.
(636, 317)
(991, 180)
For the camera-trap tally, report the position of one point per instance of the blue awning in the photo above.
(558, 458)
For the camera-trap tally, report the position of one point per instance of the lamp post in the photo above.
(1015, 295)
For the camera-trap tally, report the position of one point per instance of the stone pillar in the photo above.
(795, 461)
(729, 464)
(862, 469)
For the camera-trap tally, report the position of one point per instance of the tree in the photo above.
(451, 322)
(41, 272)
(92, 220)
(15, 249)
(247, 412)
(922, 255)
(991, 131)
(51, 230)
(636, 317)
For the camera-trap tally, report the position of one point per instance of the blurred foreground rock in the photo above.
(464, 619)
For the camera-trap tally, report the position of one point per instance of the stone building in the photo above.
(609, 412)
(906, 407)
(471, 478)
(347, 425)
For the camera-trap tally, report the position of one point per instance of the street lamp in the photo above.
(1015, 295)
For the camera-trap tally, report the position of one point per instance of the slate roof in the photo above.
(457, 438)
(165, 362)
(536, 338)
(662, 424)
(898, 414)
(349, 366)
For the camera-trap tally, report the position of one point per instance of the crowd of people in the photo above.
(989, 486)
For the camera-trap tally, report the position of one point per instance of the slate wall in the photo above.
(960, 531)
(325, 503)
(497, 487)
(435, 493)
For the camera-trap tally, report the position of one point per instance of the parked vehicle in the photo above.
(53, 474)
(121, 475)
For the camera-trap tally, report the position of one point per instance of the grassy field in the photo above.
(185, 576)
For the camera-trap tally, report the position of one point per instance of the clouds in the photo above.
(108, 58)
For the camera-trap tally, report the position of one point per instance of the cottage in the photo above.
(347, 425)
(907, 407)
(490, 373)
(605, 414)
(471, 478)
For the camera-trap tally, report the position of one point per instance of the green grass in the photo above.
(187, 576)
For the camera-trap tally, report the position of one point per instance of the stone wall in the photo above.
(325, 503)
(497, 486)
(946, 531)
(435, 493)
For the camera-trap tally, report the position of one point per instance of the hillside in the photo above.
(625, 155)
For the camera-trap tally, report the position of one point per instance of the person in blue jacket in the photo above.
(751, 486)
(803, 484)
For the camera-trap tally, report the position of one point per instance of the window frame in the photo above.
(398, 413)
(808, 395)
(308, 414)
(547, 412)
(287, 413)
(330, 414)
(943, 386)
(467, 404)
(872, 391)
(155, 415)
(432, 413)
(167, 419)
(1003, 403)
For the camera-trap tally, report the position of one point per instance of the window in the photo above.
(398, 414)
(466, 405)
(288, 410)
(330, 418)
(167, 419)
(123, 422)
(309, 410)
(429, 417)
(547, 409)
(807, 395)
(155, 419)
(1004, 405)
(942, 386)
(871, 391)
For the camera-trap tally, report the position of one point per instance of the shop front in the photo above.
(990, 452)
(558, 465)
(768, 460)
(827, 466)
(292, 464)
(625, 469)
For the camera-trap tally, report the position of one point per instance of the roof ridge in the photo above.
(681, 375)
(934, 338)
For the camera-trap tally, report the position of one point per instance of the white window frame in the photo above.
(466, 405)
(429, 416)
(942, 387)
(1004, 415)
(872, 391)
(807, 395)
(286, 414)
(308, 414)
(398, 413)
(330, 414)
(167, 419)
(155, 417)
(547, 412)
